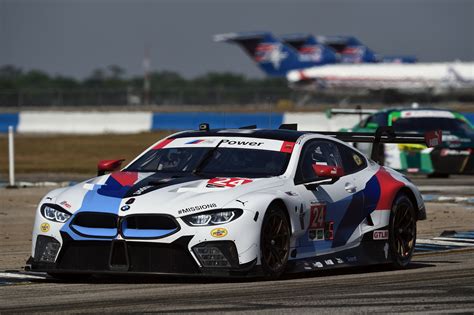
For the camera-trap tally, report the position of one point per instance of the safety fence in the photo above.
(136, 122)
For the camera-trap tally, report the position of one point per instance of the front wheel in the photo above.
(274, 242)
(402, 235)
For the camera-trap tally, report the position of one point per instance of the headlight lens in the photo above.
(54, 213)
(213, 217)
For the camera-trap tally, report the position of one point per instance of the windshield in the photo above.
(423, 124)
(222, 162)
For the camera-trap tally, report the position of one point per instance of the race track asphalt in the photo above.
(437, 282)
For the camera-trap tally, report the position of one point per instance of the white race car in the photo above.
(233, 203)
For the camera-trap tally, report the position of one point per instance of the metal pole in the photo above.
(11, 157)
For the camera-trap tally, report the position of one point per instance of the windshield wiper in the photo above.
(205, 158)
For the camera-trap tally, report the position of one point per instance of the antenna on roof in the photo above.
(289, 126)
(203, 127)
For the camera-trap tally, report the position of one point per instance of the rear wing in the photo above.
(357, 111)
(386, 135)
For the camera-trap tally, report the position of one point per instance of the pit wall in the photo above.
(135, 122)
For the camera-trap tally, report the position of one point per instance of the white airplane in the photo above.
(438, 78)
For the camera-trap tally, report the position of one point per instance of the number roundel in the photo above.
(228, 181)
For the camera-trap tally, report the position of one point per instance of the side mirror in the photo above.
(108, 166)
(326, 171)
(372, 125)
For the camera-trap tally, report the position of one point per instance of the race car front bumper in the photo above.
(120, 256)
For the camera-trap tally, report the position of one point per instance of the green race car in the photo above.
(454, 156)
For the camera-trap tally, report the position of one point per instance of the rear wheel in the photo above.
(402, 236)
(274, 242)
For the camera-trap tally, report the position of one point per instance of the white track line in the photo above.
(20, 276)
(447, 243)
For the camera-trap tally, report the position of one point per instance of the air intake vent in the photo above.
(149, 226)
(95, 224)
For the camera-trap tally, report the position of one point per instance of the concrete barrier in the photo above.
(84, 123)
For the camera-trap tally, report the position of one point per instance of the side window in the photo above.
(316, 152)
(379, 118)
(353, 161)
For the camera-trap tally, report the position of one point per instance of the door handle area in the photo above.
(350, 187)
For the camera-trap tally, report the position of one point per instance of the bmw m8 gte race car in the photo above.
(233, 203)
(454, 156)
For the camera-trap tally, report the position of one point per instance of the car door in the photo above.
(330, 210)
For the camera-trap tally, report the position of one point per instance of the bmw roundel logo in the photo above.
(125, 208)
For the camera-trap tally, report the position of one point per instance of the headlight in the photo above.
(213, 217)
(54, 213)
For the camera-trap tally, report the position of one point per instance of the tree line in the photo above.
(113, 77)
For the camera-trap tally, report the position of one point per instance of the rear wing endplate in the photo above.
(386, 135)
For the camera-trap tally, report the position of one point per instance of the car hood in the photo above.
(126, 193)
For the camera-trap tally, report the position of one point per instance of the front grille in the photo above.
(128, 256)
(96, 220)
(138, 226)
(95, 224)
(148, 226)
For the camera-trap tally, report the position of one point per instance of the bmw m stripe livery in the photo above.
(231, 203)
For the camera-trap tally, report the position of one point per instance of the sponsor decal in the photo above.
(291, 193)
(197, 208)
(446, 152)
(65, 204)
(357, 159)
(351, 259)
(380, 235)
(200, 141)
(329, 230)
(426, 113)
(142, 190)
(318, 264)
(339, 260)
(412, 170)
(229, 182)
(242, 202)
(44, 227)
(130, 201)
(241, 142)
(125, 208)
(316, 235)
(329, 262)
(218, 232)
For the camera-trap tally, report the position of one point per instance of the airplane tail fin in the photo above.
(350, 49)
(273, 56)
(309, 49)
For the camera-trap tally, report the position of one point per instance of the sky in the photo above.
(74, 37)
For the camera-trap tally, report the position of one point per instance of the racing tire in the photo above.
(70, 277)
(274, 242)
(402, 231)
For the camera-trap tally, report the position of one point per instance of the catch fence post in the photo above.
(11, 158)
